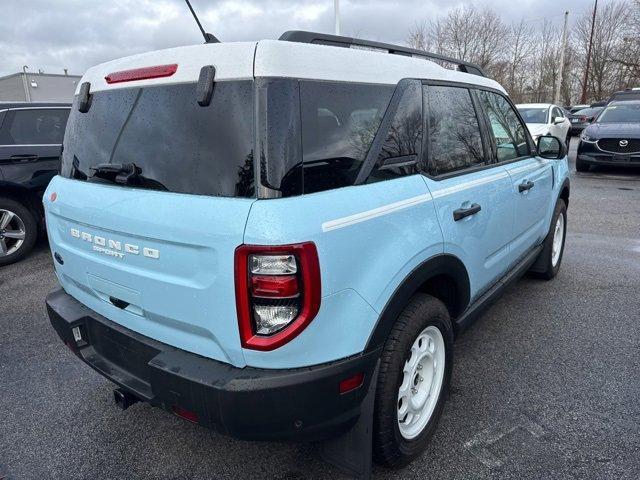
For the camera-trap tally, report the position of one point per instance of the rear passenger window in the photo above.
(508, 131)
(339, 123)
(401, 150)
(455, 142)
(37, 127)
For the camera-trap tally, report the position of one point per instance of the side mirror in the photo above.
(557, 120)
(551, 147)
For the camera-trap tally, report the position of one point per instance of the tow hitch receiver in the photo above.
(124, 399)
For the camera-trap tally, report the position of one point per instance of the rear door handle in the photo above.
(461, 213)
(523, 187)
(23, 158)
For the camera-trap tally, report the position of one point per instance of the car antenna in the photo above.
(208, 37)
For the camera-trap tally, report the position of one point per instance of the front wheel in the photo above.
(548, 263)
(413, 383)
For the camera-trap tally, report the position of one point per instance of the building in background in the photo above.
(38, 87)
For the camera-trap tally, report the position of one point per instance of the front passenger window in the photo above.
(508, 131)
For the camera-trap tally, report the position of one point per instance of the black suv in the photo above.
(30, 146)
(613, 138)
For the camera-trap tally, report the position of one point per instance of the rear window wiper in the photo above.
(125, 174)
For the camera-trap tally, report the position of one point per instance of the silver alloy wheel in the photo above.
(423, 375)
(12, 232)
(558, 237)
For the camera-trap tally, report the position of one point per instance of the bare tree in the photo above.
(612, 22)
(525, 56)
(419, 36)
(521, 49)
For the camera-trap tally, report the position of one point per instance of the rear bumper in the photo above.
(246, 403)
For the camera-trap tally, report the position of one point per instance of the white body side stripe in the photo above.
(376, 212)
(473, 183)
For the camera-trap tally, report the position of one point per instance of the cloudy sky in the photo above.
(75, 34)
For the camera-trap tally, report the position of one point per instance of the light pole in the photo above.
(556, 98)
(336, 14)
(25, 84)
(583, 98)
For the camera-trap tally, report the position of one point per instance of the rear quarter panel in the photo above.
(369, 238)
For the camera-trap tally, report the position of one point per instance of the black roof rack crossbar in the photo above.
(301, 36)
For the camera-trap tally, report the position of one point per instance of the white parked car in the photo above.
(545, 119)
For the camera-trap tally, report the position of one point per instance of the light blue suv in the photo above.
(253, 236)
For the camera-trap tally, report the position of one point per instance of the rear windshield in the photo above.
(177, 144)
(588, 112)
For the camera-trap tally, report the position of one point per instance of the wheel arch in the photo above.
(443, 276)
(24, 196)
(565, 190)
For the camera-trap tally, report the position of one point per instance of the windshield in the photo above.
(534, 115)
(176, 144)
(621, 113)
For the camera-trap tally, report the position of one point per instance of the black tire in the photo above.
(390, 448)
(30, 231)
(582, 166)
(544, 267)
(567, 140)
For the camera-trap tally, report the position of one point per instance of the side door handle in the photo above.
(461, 213)
(23, 158)
(523, 187)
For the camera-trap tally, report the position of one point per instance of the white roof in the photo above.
(275, 58)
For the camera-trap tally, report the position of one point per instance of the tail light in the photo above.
(277, 292)
(583, 119)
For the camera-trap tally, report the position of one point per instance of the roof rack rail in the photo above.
(301, 36)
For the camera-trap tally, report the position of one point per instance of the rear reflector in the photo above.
(349, 384)
(273, 286)
(184, 413)
(143, 73)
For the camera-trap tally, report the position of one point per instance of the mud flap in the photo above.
(351, 452)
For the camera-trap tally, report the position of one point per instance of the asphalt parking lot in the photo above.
(546, 384)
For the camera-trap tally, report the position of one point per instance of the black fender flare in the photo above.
(443, 264)
(566, 185)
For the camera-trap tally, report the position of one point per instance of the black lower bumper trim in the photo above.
(247, 403)
(611, 160)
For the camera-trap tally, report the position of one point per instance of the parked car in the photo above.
(580, 119)
(575, 108)
(613, 139)
(256, 246)
(626, 94)
(545, 119)
(30, 146)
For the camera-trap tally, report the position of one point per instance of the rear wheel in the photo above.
(413, 383)
(18, 231)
